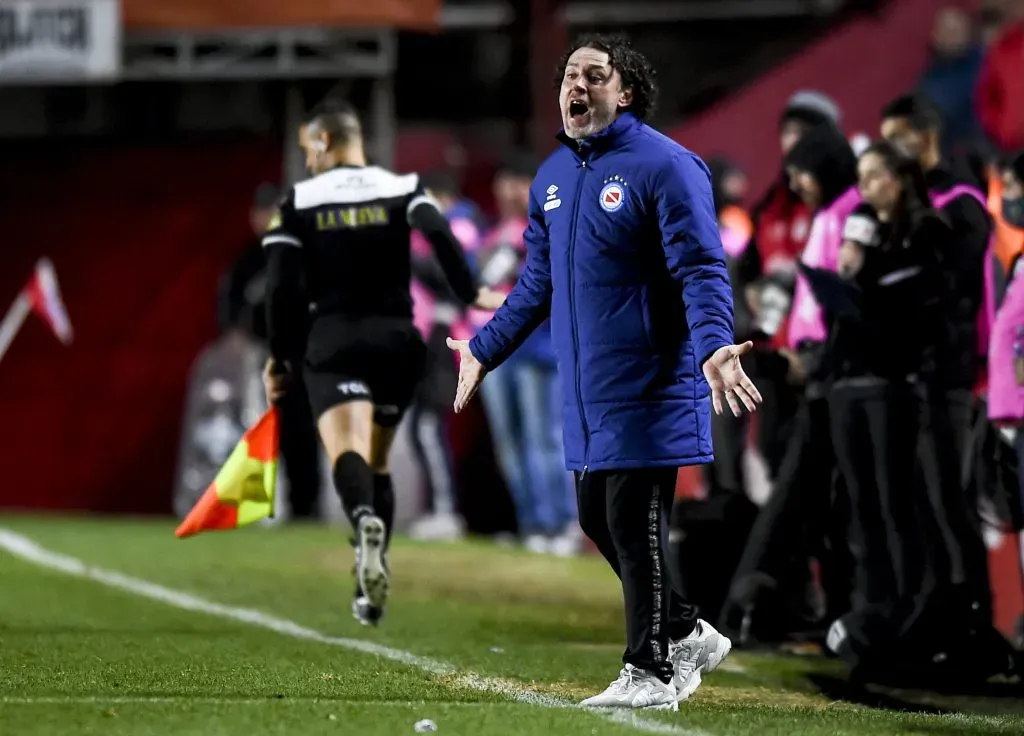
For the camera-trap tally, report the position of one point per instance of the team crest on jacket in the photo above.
(613, 196)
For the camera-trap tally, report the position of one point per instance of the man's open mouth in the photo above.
(577, 110)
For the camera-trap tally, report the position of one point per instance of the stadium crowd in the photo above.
(877, 281)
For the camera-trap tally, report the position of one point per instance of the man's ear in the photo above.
(626, 97)
(320, 141)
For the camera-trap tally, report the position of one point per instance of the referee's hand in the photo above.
(471, 373)
(489, 299)
(276, 377)
(726, 377)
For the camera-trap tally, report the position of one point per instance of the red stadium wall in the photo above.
(139, 239)
(863, 64)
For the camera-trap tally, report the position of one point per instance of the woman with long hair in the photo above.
(910, 616)
(881, 350)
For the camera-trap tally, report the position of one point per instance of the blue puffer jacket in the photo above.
(624, 255)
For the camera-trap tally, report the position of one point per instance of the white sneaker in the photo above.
(371, 572)
(537, 543)
(567, 544)
(636, 688)
(438, 528)
(698, 654)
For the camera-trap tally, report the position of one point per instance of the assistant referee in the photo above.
(340, 247)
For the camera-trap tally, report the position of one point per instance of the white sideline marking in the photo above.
(189, 700)
(26, 549)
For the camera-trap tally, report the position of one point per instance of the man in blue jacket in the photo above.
(624, 256)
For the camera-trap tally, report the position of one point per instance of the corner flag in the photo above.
(243, 491)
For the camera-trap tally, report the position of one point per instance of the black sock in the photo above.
(353, 480)
(384, 502)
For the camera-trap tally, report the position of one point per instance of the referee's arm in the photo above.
(286, 304)
(694, 253)
(423, 215)
(527, 305)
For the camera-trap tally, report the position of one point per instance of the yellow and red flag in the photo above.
(243, 491)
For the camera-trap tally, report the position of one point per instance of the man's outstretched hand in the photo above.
(471, 373)
(726, 377)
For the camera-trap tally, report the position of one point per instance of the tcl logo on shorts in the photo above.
(354, 388)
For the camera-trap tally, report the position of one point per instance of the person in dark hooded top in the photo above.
(781, 219)
(795, 523)
(764, 275)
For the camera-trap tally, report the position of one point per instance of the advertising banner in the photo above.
(54, 41)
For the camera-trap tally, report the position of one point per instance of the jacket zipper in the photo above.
(572, 314)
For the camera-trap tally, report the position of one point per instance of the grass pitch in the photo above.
(250, 634)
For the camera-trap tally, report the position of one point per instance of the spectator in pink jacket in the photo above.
(822, 170)
(1006, 349)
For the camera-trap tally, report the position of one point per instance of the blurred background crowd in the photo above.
(146, 145)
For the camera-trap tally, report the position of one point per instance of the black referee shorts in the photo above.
(378, 359)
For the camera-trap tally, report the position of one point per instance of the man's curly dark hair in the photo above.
(634, 68)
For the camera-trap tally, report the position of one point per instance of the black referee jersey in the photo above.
(340, 245)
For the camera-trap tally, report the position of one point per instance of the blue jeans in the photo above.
(524, 409)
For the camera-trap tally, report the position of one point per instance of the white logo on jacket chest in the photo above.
(613, 194)
(551, 202)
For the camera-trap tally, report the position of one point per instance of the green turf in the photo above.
(79, 657)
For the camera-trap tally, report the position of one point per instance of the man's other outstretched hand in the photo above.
(726, 377)
(471, 373)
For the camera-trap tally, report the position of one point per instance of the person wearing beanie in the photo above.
(765, 274)
(781, 220)
(764, 277)
(822, 171)
(805, 110)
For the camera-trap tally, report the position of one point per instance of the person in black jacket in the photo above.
(913, 126)
(241, 307)
(888, 343)
(881, 346)
(764, 276)
(340, 316)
